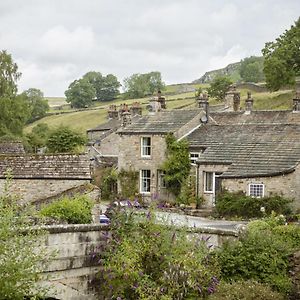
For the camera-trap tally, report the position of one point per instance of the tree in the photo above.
(141, 85)
(63, 139)
(14, 109)
(37, 104)
(106, 87)
(282, 58)
(9, 75)
(38, 136)
(251, 69)
(20, 262)
(80, 93)
(219, 86)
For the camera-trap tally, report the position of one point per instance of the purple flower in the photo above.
(148, 215)
(129, 203)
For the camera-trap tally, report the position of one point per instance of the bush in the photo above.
(260, 255)
(245, 290)
(237, 204)
(73, 211)
(146, 260)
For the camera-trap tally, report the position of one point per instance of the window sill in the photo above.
(208, 192)
(145, 157)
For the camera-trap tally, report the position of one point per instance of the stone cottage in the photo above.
(39, 177)
(142, 146)
(257, 152)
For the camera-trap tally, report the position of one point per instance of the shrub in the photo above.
(260, 255)
(108, 184)
(245, 290)
(149, 261)
(129, 183)
(237, 204)
(74, 211)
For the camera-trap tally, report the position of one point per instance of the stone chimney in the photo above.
(296, 102)
(232, 99)
(248, 104)
(204, 104)
(112, 112)
(126, 118)
(136, 109)
(161, 100)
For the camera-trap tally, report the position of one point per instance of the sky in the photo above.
(55, 42)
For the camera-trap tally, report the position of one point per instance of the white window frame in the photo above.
(194, 158)
(142, 179)
(212, 190)
(254, 193)
(146, 147)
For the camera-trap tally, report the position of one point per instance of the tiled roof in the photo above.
(61, 166)
(161, 122)
(257, 117)
(110, 124)
(251, 150)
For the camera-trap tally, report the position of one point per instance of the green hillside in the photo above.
(176, 98)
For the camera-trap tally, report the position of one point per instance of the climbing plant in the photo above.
(108, 184)
(177, 165)
(128, 180)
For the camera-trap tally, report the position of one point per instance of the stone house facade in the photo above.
(256, 152)
(142, 146)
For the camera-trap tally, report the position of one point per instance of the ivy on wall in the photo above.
(128, 180)
(177, 165)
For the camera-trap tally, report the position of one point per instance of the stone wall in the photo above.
(35, 190)
(109, 145)
(11, 147)
(71, 272)
(130, 157)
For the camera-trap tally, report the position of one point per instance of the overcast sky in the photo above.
(57, 41)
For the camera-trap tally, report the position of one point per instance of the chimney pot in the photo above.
(296, 102)
(249, 103)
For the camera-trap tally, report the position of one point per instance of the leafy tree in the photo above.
(219, 86)
(177, 166)
(37, 138)
(106, 87)
(14, 109)
(63, 139)
(80, 93)
(141, 85)
(9, 75)
(20, 262)
(282, 58)
(37, 104)
(251, 69)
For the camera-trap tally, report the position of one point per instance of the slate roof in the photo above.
(251, 150)
(61, 166)
(109, 125)
(257, 117)
(161, 122)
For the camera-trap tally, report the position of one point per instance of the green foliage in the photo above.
(63, 139)
(106, 87)
(73, 211)
(128, 180)
(218, 88)
(37, 104)
(177, 165)
(282, 58)
(251, 69)
(141, 85)
(80, 93)
(108, 184)
(245, 290)
(237, 204)
(20, 261)
(150, 261)
(188, 192)
(262, 254)
(38, 136)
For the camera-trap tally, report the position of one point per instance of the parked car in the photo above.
(121, 205)
(104, 219)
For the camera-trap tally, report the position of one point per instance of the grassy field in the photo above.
(89, 118)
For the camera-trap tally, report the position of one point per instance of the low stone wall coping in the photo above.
(73, 228)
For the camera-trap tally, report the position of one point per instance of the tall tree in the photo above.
(37, 104)
(251, 69)
(282, 58)
(80, 93)
(219, 86)
(141, 85)
(14, 109)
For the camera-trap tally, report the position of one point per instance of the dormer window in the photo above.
(194, 156)
(145, 146)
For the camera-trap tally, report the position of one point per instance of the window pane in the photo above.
(146, 146)
(145, 181)
(208, 181)
(256, 190)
